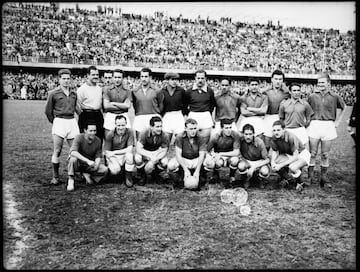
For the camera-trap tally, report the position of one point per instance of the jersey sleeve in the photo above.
(76, 144)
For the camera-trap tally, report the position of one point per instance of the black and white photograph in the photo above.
(179, 135)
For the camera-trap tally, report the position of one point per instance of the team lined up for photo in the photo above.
(256, 134)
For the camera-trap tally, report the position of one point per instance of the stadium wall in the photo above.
(80, 69)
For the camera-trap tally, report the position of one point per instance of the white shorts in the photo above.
(65, 128)
(305, 155)
(269, 120)
(218, 127)
(323, 130)
(203, 119)
(109, 120)
(173, 122)
(256, 121)
(301, 133)
(142, 122)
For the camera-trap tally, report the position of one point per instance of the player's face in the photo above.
(172, 82)
(118, 77)
(225, 86)
(64, 80)
(322, 84)
(248, 135)
(94, 76)
(295, 92)
(157, 128)
(277, 80)
(120, 125)
(90, 132)
(200, 79)
(191, 130)
(254, 86)
(107, 78)
(145, 78)
(278, 131)
(227, 129)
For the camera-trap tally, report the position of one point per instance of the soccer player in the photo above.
(59, 110)
(85, 156)
(89, 101)
(190, 149)
(222, 151)
(276, 93)
(254, 163)
(328, 110)
(253, 108)
(116, 100)
(118, 150)
(151, 150)
(287, 153)
(147, 101)
(227, 105)
(200, 101)
(296, 114)
(173, 109)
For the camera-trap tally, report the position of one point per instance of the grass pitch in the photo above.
(154, 227)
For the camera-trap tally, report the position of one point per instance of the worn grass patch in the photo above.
(154, 227)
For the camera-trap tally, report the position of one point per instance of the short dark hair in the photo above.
(120, 116)
(146, 70)
(190, 121)
(294, 84)
(279, 123)
(251, 79)
(88, 123)
(92, 67)
(225, 121)
(200, 71)
(155, 119)
(248, 127)
(108, 72)
(278, 72)
(64, 72)
(119, 71)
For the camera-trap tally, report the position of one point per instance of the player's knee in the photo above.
(313, 153)
(138, 159)
(163, 163)
(324, 156)
(209, 163)
(57, 151)
(129, 158)
(234, 161)
(243, 166)
(149, 167)
(173, 165)
(219, 163)
(264, 171)
(292, 168)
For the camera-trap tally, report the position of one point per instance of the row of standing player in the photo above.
(259, 108)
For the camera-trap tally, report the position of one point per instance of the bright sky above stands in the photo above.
(325, 15)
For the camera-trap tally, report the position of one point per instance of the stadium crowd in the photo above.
(37, 33)
(38, 85)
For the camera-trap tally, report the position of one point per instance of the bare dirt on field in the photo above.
(109, 226)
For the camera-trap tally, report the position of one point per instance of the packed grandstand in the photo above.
(45, 34)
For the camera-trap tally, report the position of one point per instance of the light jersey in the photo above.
(89, 97)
